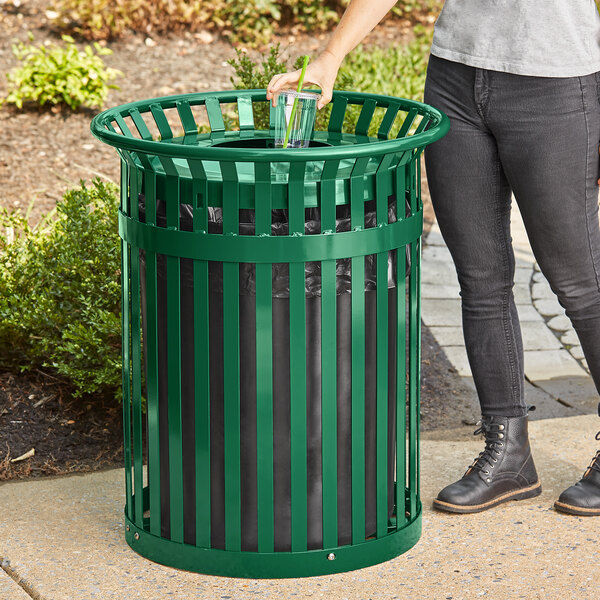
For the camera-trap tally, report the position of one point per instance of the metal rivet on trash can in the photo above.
(127, 527)
(136, 535)
(331, 556)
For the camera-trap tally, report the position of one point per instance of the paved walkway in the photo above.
(63, 539)
(557, 378)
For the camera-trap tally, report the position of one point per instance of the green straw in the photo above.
(295, 105)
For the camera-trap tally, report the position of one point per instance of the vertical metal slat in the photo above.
(201, 362)
(329, 362)
(264, 367)
(125, 319)
(414, 334)
(172, 193)
(357, 218)
(382, 355)
(231, 363)
(136, 361)
(152, 361)
(400, 358)
(298, 367)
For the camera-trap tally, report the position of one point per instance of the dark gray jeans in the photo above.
(539, 137)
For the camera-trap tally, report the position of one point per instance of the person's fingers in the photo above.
(278, 83)
(286, 79)
(273, 80)
(324, 99)
(270, 95)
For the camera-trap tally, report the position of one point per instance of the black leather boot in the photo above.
(503, 471)
(583, 498)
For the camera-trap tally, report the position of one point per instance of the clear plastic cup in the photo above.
(303, 122)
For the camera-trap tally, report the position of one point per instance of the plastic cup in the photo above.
(303, 118)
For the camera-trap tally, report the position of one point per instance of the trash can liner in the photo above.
(281, 386)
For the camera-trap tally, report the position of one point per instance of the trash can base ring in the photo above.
(262, 565)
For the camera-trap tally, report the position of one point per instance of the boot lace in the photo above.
(494, 436)
(595, 464)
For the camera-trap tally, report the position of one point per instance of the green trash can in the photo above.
(271, 333)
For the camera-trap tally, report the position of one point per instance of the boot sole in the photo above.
(522, 494)
(576, 510)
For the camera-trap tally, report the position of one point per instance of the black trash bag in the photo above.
(281, 385)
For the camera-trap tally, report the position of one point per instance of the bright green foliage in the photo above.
(60, 291)
(60, 74)
(250, 22)
(409, 8)
(314, 14)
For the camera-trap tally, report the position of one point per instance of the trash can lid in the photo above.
(128, 128)
(163, 135)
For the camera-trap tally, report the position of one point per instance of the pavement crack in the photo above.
(557, 398)
(20, 581)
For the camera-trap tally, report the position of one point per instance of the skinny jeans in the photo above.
(538, 138)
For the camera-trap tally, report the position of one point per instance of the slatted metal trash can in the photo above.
(271, 332)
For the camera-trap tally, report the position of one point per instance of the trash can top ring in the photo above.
(422, 125)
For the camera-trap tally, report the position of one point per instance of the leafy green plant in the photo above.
(414, 9)
(60, 291)
(55, 74)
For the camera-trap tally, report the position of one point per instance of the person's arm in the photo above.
(358, 20)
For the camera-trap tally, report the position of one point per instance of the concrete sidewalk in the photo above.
(63, 539)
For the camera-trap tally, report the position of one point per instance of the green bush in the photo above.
(60, 291)
(247, 21)
(57, 74)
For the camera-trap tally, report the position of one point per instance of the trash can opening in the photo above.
(260, 143)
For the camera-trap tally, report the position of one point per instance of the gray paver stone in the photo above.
(577, 352)
(549, 307)
(441, 311)
(536, 336)
(550, 364)
(570, 338)
(560, 323)
(540, 290)
(527, 312)
(430, 290)
(448, 336)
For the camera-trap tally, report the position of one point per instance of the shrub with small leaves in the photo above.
(60, 74)
(60, 291)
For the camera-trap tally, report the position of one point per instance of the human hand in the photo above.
(321, 72)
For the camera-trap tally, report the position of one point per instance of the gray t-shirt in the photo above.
(544, 38)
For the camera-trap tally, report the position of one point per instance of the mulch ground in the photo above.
(66, 435)
(44, 152)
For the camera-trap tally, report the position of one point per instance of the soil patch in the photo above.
(67, 435)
